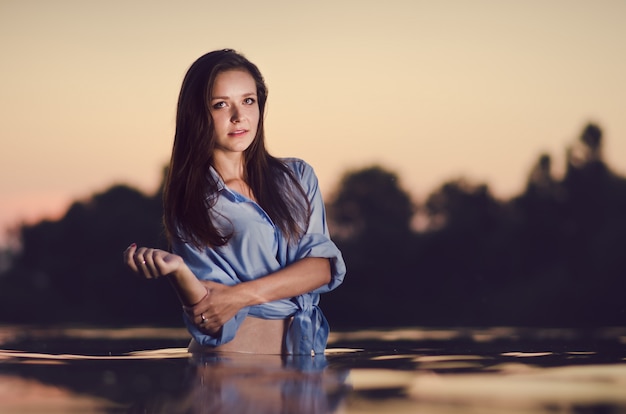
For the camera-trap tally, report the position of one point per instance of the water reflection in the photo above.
(236, 383)
(402, 371)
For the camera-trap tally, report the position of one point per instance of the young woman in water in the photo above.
(250, 246)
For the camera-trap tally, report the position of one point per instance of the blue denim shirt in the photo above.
(258, 248)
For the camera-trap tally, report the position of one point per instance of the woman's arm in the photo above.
(214, 303)
(155, 263)
(223, 302)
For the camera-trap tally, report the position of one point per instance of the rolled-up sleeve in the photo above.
(318, 245)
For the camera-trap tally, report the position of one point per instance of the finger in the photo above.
(148, 264)
(205, 319)
(201, 320)
(207, 324)
(160, 262)
(128, 257)
(209, 331)
(211, 325)
(202, 307)
(140, 261)
(151, 265)
(207, 314)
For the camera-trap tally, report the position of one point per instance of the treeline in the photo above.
(551, 256)
(554, 255)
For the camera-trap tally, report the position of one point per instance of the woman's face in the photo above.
(234, 109)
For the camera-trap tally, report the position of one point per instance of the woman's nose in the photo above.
(235, 116)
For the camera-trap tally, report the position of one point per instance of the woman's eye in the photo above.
(219, 105)
(249, 101)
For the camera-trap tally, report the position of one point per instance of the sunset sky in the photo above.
(432, 90)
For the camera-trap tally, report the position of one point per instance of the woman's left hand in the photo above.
(220, 305)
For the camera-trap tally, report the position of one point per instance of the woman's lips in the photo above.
(238, 132)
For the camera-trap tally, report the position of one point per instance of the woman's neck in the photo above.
(231, 170)
(229, 167)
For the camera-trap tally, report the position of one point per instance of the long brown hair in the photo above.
(191, 191)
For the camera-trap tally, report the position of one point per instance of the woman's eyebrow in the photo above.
(228, 97)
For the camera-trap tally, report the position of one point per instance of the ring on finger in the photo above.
(203, 321)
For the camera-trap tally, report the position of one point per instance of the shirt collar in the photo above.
(217, 178)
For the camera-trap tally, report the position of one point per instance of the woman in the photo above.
(250, 246)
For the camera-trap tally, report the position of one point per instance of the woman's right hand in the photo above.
(152, 263)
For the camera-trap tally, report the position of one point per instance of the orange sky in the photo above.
(429, 89)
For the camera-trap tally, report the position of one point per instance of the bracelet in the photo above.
(189, 308)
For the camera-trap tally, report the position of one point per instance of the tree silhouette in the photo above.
(595, 221)
(469, 252)
(370, 218)
(370, 202)
(67, 270)
(569, 233)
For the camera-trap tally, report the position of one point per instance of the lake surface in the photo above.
(413, 370)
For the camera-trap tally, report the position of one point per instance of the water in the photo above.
(416, 370)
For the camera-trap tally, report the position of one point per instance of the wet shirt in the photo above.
(257, 248)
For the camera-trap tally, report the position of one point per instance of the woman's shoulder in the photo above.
(303, 172)
(293, 162)
(300, 167)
